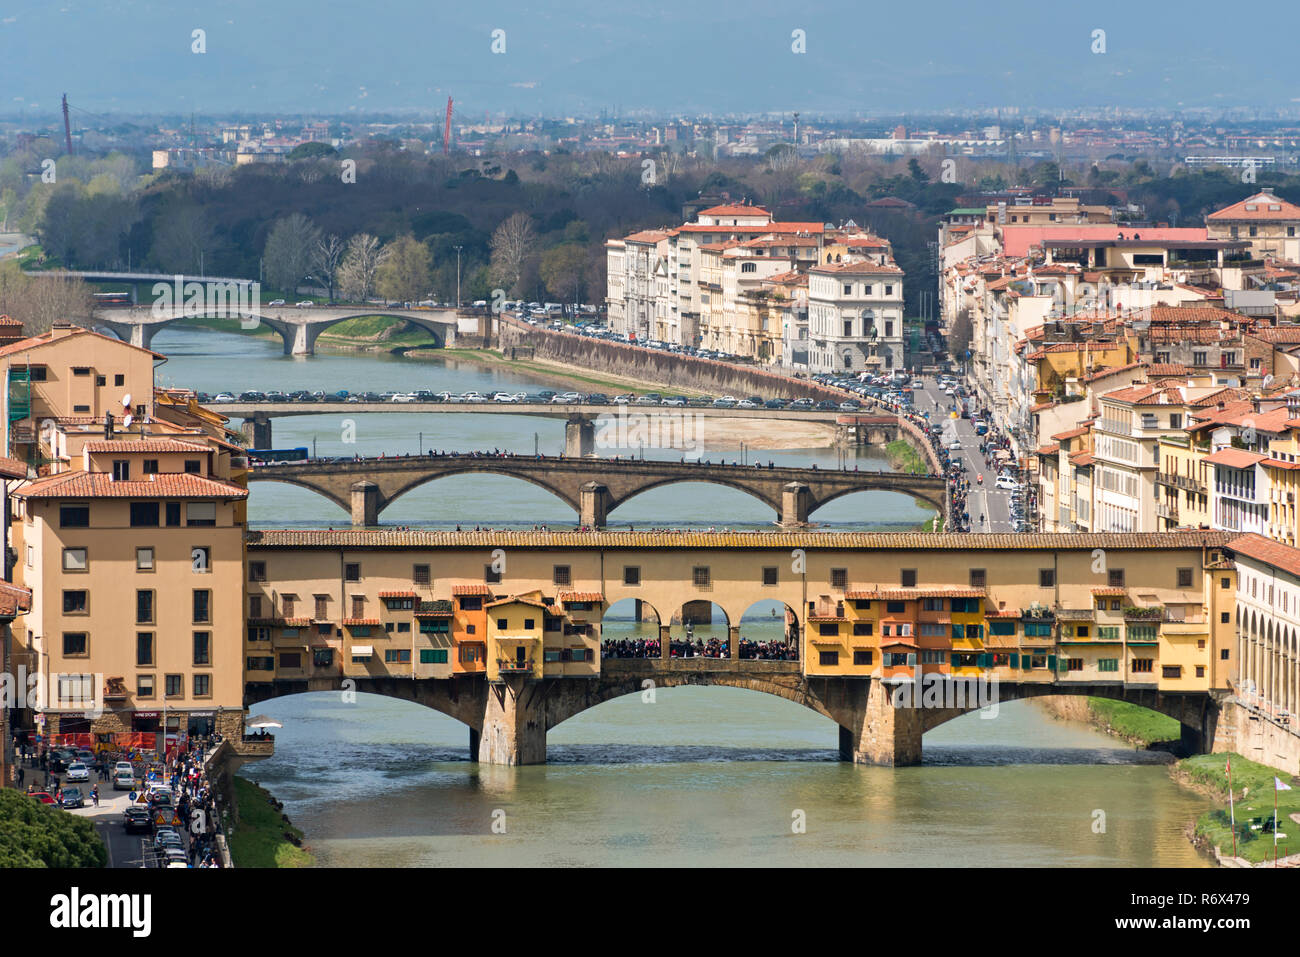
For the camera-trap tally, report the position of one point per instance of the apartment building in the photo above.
(1265, 221)
(855, 317)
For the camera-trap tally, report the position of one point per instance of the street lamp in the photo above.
(458, 249)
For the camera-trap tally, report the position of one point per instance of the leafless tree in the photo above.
(40, 301)
(326, 258)
(512, 244)
(356, 274)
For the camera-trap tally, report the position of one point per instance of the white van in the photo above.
(1008, 483)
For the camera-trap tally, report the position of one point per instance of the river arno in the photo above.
(699, 776)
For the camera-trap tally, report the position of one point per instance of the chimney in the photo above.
(108, 425)
(1254, 403)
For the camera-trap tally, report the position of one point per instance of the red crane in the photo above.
(446, 130)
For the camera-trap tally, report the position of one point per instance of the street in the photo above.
(124, 850)
(984, 499)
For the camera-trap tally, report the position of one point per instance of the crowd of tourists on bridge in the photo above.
(690, 647)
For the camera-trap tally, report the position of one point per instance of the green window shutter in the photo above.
(956, 660)
(983, 661)
(1015, 660)
(1051, 662)
(958, 631)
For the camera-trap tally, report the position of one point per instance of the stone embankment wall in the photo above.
(1253, 735)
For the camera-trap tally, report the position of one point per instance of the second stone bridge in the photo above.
(593, 487)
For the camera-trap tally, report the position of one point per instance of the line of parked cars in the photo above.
(544, 397)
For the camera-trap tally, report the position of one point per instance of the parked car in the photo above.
(1007, 483)
(78, 771)
(45, 797)
(276, 302)
(304, 304)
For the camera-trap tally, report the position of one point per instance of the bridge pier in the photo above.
(733, 642)
(880, 733)
(665, 639)
(257, 432)
(579, 437)
(365, 503)
(795, 504)
(513, 731)
(593, 502)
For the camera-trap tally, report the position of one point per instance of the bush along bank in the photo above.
(263, 835)
(1251, 807)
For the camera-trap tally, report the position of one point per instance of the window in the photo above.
(932, 604)
(1142, 665)
(76, 689)
(322, 607)
(76, 644)
(144, 606)
(933, 629)
(257, 571)
(76, 602)
(144, 559)
(397, 656)
(631, 575)
(202, 686)
(1074, 664)
(1108, 632)
(38, 373)
(74, 516)
(908, 577)
(862, 657)
(770, 575)
(561, 575)
(193, 466)
(1115, 577)
(529, 623)
(293, 659)
(828, 658)
(174, 686)
(172, 516)
(1108, 664)
(1200, 671)
(490, 575)
(352, 572)
(80, 371)
(1184, 578)
(839, 577)
(74, 559)
(862, 604)
(144, 647)
(1225, 617)
(862, 627)
(433, 656)
(254, 606)
(323, 657)
(966, 606)
(121, 470)
(203, 647)
(420, 575)
(471, 603)
(144, 514)
(202, 605)
(894, 607)
(358, 606)
(1171, 671)
(700, 575)
(503, 624)
(144, 686)
(977, 578)
(201, 513)
(828, 630)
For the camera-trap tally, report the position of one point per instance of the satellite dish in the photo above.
(126, 420)
(126, 401)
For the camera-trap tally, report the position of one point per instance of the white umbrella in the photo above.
(261, 721)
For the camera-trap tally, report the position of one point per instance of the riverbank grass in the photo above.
(1252, 785)
(904, 458)
(259, 838)
(1137, 725)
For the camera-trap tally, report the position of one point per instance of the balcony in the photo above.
(1075, 614)
(1167, 510)
(512, 666)
(1185, 482)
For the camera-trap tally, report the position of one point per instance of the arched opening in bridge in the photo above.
(769, 631)
(700, 629)
(630, 628)
(281, 505)
(691, 504)
(872, 510)
(494, 501)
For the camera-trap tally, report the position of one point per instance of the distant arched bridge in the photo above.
(592, 486)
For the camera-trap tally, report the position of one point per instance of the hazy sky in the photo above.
(666, 55)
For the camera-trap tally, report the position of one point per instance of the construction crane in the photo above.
(67, 125)
(446, 130)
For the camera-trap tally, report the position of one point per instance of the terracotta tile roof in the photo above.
(591, 596)
(1042, 406)
(49, 338)
(101, 485)
(1158, 369)
(1257, 208)
(1082, 458)
(1280, 464)
(12, 468)
(1235, 458)
(774, 541)
(647, 236)
(827, 617)
(1288, 335)
(518, 600)
(859, 269)
(1048, 449)
(458, 591)
(736, 209)
(1112, 370)
(144, 445)
(1002, 613)
(1266, 550)
(281, 622)
(908, 594)
(397, 594)
(14, 600)
(1111, 592)
(890, 641)
(1073, 433)
(1146, 393)
(352, 622)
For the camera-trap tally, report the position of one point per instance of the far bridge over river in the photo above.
(591, 486)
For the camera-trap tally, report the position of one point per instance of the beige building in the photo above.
(1266, 221)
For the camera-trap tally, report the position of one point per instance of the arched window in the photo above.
(848, 361)
(749, 267)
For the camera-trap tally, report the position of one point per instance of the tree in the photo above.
(356, 275)
(563, 270)
(39, 301)
(405, 274)
(288, 251)
(182, 236)
(36, 835)
(311, 151)
(919, 175)
(326, 257)
(511, 245)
